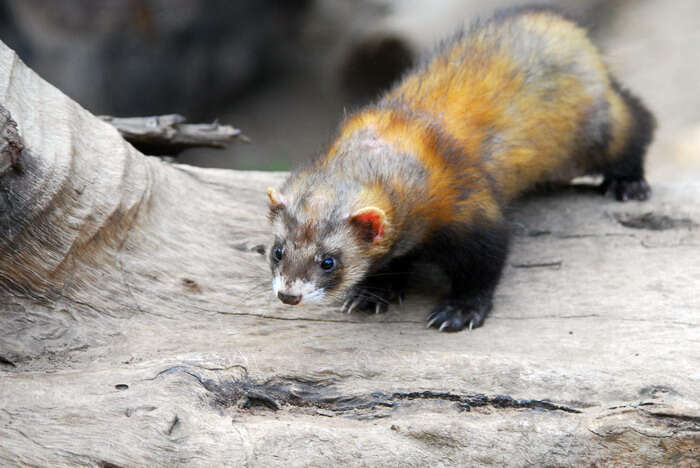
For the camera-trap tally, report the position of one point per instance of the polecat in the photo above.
(427, 171)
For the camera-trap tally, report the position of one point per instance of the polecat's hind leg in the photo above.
(473, 258)
(380, 289)
(624, 189)
(624, 177)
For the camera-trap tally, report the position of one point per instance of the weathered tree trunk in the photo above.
(138, 328)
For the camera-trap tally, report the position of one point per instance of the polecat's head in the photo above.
(319, 252)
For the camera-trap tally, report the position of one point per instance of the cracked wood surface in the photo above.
(138, 327)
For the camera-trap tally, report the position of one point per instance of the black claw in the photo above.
(401, 297)
(455, 315)
(371, 300)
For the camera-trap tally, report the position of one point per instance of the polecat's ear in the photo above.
(277, 200)
(370, 222)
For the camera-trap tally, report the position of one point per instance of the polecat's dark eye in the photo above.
(277, 254)
(328, 263)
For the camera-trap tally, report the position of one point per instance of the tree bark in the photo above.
(138, 327)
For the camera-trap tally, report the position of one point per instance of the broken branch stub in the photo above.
(170, 135)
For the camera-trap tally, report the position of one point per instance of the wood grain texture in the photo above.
(138, 327)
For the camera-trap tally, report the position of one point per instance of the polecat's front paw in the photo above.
(371, 299)
(457, 314)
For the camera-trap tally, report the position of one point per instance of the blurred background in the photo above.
(286, 71)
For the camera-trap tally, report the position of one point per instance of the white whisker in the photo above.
(315, 296)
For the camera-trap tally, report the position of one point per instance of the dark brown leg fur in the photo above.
(473, 258)
(624, 179)
(381, 288)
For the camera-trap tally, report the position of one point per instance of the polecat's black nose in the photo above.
(288, 298)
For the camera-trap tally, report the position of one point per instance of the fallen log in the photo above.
(138, 328)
